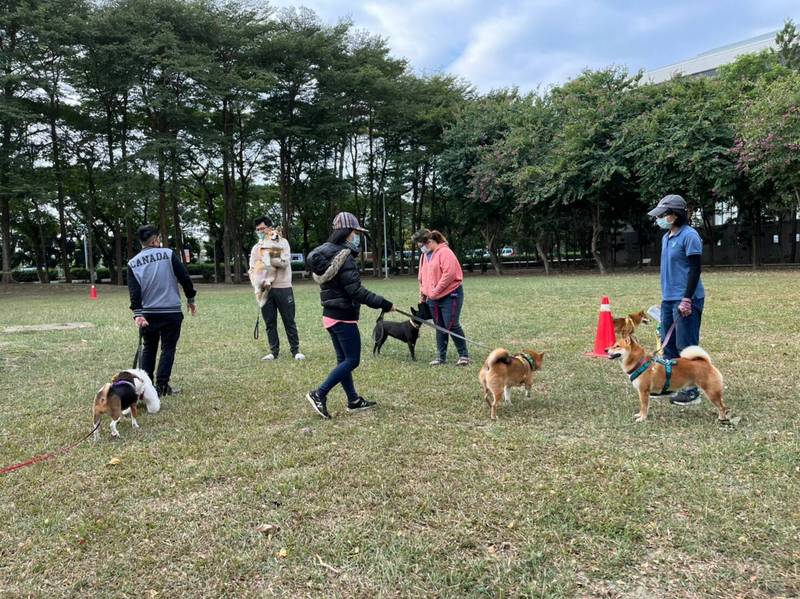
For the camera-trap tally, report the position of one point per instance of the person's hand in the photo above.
(392, 309)
(141, 322)
(685, 307)
(422, 298)
(193, 309)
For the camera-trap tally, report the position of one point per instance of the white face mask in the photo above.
(424, 249)
(261, 235)
(356, 241)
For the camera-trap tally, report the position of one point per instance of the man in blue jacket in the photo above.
(153, 278)
(682, 292)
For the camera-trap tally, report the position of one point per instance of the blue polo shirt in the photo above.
(675, 263)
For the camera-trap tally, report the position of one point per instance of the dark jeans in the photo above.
(446, 313)
(280, 300)
(347, 344)
(687, 329)
(165, 328)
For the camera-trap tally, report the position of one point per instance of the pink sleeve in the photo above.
(449, 265)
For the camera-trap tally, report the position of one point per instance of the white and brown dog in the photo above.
(651, 376)
(120, 396)
(262, 274)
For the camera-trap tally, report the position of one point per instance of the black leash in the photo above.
(441, 329)
(138, 355)
(255, 330)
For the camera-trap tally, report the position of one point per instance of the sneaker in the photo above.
(268, 358)
(298, 356)
(686, 397)
(463, 361)
(318, 404)
(360, 404)
(437, 362)
(164, 390)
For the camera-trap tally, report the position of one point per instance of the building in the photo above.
(707, 63)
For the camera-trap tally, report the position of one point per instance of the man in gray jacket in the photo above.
(153, 277)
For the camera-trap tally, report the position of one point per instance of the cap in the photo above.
(667, 203)
(346, 220)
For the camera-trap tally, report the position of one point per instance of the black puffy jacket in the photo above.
(341, 292)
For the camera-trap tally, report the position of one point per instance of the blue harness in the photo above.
(667, 364)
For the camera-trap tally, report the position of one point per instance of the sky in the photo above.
(533, 43)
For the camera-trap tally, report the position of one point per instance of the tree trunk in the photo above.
(489, 237)
(118, 280)
(44, 276)
(597, 228)
(163, 224)
(229, 218)
(5, 159)
(177, 235)
(794, 225)
(540, 248)
(90, 224)
(62, 217)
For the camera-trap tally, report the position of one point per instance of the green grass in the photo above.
(564, 496)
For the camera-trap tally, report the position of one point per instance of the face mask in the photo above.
(356, 241)
(663, 223)
(425, 249)
(261, 235)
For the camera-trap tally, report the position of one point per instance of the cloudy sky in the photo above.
(497, 43)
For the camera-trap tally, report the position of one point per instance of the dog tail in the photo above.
(498, 355)
(695, 352)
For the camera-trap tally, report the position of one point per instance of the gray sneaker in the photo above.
(686, 397)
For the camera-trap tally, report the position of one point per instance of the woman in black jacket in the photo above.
(334, 268)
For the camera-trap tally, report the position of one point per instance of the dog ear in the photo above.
(413, 311)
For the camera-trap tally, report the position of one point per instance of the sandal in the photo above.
(463, 361)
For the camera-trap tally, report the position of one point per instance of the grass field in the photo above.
(564, 496)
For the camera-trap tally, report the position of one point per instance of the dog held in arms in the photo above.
(120, 396)
(650, 376)
(407, 331)
(262, 274)
(501, 371)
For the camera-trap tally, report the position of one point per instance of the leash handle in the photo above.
(441, 329)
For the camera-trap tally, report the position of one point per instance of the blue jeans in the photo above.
(446, 312)
(687, 329)
(347, 344)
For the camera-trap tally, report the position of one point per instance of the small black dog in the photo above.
(407, 331)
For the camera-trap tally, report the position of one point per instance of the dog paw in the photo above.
(135, 424)
(639, 418)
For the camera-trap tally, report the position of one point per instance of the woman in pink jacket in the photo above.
(440, 278)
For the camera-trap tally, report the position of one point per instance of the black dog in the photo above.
(407, 331)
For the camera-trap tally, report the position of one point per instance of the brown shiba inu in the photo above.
(626, 326)
(501, 371)
(650, 377)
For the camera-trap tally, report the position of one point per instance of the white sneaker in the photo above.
(299, 356)
(268, 358)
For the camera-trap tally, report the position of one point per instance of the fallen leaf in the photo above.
(282, 553)
(114, 461)
(268, 529)
(511, 525)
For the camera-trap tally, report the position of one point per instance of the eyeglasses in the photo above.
(261, 229)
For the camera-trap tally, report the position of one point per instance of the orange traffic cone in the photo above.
(605, 336)
(93, 293)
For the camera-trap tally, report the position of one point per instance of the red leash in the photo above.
(48, 456)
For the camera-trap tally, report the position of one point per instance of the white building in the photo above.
(707, 63)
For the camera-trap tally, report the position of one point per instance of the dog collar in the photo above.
(124, 383)
(636, 372)
(528, 359)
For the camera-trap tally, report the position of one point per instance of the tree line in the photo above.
(198, 116)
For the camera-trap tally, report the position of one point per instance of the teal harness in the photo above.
(528, 359)
(667, 364)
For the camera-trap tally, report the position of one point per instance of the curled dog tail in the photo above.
(695, 352)
(498, 355)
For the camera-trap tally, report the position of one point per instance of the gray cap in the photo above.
(670, 202)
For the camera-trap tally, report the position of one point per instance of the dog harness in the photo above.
(645, 364)
(636, 372)
(525, 358)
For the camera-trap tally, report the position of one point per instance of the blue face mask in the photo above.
(663, 223)
(261, 235)
(356, 241)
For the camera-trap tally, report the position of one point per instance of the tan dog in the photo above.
(113, 398)
(649, 376)
(626, 326)
(263, 274)
(501, 371)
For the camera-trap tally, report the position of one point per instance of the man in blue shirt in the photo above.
(682, 291)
